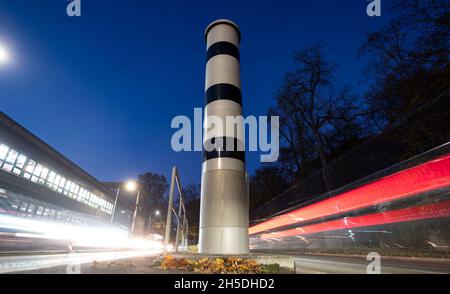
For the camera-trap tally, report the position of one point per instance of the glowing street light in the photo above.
(157, 214)
(131, 186)
(4, 55)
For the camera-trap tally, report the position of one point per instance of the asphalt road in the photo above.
(335, 264)
(142, 262)
(70, 263)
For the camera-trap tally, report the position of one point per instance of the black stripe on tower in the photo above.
(223, 92)
(231, 148)
(220, 48)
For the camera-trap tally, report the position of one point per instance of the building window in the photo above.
(23, 206)
(40, 211)
(67, 187)
(62, 182)
(3, 151)
(14, 162)
(36, 173)
(29, 169)
(19, 164)
(12, 156)
(43, 176)
(31, 208)
(21, 161)
(10, 160)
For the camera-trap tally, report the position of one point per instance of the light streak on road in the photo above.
(10, 264)
(76, 235)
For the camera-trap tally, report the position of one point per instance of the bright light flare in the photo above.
(4, 55)
(77, 235)
(131, 186)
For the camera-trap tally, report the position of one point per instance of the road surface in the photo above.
(71, 263)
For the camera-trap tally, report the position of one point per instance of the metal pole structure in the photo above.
(187, 236)
(181, 225)
(115, 204)
(185, 232)
(177, 236)
(185, 228)
(224, 201)
(169, 209)
(180, 211)
(149, 222)
(135, 211)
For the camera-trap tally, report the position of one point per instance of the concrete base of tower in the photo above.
(224, 240)
(224, 210)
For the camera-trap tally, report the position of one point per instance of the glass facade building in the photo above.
(36, 181)
(21, 165)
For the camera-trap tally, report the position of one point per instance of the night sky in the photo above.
(103, 88)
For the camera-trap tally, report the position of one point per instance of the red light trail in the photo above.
(430, 211)
(429, 176)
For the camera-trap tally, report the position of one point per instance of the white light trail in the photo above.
(77, 235)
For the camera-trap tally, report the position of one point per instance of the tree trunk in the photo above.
(323, 160)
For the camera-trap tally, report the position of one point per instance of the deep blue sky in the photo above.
(103, 88)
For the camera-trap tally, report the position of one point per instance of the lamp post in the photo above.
(133, 224)
(115, 204)
(129, 186)
(157, 213)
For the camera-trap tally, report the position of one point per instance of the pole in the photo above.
(180, 219)
(169, 209)
(135, 211)
(115, 204)
(187, 236)
(149, 223)
(179, 225)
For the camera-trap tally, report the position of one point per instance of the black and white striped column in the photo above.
(224, 199)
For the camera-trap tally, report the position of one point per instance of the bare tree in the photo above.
(310, 106)
(409, 67)
(154, 190)
(297, 146)
(192, 203)
(408, 58)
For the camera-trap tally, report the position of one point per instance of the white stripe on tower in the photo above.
(224, 199)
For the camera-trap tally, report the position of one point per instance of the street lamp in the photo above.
(157, 213)
(133, 186)
(4, 55)
(129, 186)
